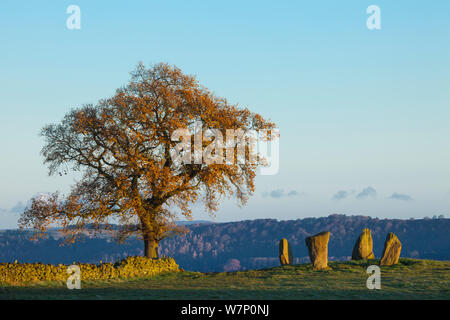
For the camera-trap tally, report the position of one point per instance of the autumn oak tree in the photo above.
(122, 148)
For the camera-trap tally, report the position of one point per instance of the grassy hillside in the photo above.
(410, 279)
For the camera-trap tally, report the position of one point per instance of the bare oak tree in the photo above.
(122, 148)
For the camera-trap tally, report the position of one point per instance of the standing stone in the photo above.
(363, 248)
(318, 250)
(391, 251)
(285, 252)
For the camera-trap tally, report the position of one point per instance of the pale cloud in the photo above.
(366, 193)
(341, 194)
(401, 197)
(281, 193)
(18, 208)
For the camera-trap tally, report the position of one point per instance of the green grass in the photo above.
(410, 279)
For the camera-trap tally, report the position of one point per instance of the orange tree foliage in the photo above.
(122, 146)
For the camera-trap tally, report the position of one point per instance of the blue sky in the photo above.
(357, 109)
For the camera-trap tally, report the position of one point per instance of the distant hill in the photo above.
(187, 223)
(250, 244)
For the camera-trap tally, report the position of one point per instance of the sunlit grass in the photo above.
(410, 279)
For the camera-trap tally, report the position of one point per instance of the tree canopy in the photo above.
(124, 148)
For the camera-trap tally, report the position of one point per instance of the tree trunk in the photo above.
(151, 242)
(151, 248)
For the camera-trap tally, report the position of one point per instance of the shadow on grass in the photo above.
(204, 294)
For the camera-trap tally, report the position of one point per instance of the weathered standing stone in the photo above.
(363, 248)
(391, 251)
(318, 250)
(285, 252)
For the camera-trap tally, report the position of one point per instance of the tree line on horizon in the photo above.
(251, 244)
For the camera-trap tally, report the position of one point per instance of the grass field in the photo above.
(410, 279)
